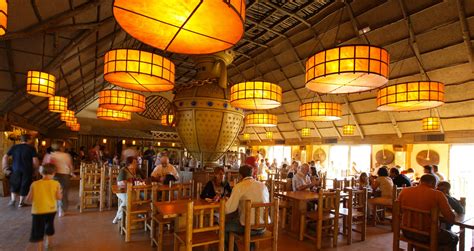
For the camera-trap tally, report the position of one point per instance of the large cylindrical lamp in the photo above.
(347, 68)
(410, 96)
(40, 83)
(255, 95)
(186, 27)
(68, 116)
(320, 111)
(57, 104)
(139, 70)
(3, 16)
(120, 100)
(113, 115)
(261, 120)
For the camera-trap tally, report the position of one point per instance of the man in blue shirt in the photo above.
(25, 159)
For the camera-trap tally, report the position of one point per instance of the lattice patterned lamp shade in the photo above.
(139, 70)
(68, 116)
(255, 95)
(320, 111)
(167, 119)
(186, 27)
(40, 83)
(246, 136)
(120, 100)
(306, 132)
(431, 124)
(269, 135)
(71, 122)
(3, 16)
(113, 115)
(348, 68)
(57, 104)
(348, 129)
(75, 127)
(410, 96)
(261, 120)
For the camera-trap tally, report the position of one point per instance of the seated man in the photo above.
(247, 189)
(302, 181)
(165, 172)
(425, 197)
(400, 180)
(428, 169)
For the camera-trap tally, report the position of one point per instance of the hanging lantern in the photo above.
(261, 120)
(120, 100)
(269, 135)
(185, 27)
(254, 95)
(3, 16)
(348, 129)
(139, 70)
(246, 136)
(123, 142)
(167, 120)
(348, 68)
(431, 124)
(57, 104)
(75, 128)
(71, 122)
(320, 111)
(306, 132)
(410, 96)
(68, 116)
(133, 142)
(40, 83)
(108, 114)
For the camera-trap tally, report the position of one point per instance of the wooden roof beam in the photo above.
(351, 113)
(465, 32)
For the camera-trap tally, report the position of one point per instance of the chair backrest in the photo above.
(186, 192)
(280, 185)
(356, 200)
(91, 174)
(414, 223)
(138, 195)
(265, 216)
(198, 190)
(329, 202)
(201, 218)
(166, 192)
(395, 192)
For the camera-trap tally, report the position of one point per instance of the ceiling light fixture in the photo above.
(320, 111)
(40, 83)
(347, 68)
(261, 120)
(139, 70)
(255, 95)
(113, 115)
(120, 100)
(57, 104)
(185, 27)
(410, 96)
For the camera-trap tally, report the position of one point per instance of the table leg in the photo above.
(299, 208)
(462, 237)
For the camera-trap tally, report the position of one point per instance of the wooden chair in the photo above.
(354, 213)
(414, 223)
(92, 187)
(198, 190)
(284, 205)
(201, 230)
(161, 193)
(137, 210)
(328, 213)
(269, 212)
(112, 180)
(379, 210)
(186, 191)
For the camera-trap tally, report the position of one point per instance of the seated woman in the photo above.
(127, 174)
(382, 187)
(363, 180)
(218, 187)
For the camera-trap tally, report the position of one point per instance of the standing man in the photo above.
(64, 171)
(149, 154)
(25, 159)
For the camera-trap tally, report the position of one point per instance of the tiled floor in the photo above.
(94, 231)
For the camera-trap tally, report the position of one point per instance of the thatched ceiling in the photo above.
(426, 39)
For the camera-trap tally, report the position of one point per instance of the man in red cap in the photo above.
(252, 161)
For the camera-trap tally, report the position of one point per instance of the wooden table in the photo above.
(463, 221)
(299, 200)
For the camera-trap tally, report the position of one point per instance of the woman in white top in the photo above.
(383, 186)
(64, 171)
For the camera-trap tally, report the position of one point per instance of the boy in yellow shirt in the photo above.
(44, 195)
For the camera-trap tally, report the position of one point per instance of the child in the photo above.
(44, 195)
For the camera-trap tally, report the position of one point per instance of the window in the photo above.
(461, 172)
(360, 155)
(279, 153)
(338, 161)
